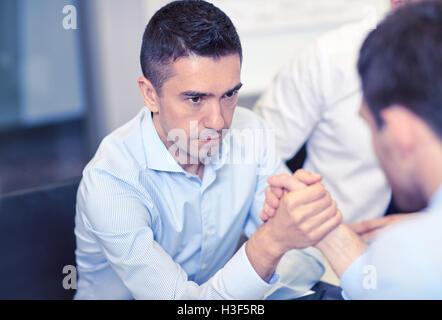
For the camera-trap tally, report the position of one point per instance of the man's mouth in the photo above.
(210, 139)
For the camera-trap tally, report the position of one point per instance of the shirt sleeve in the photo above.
(397, 265)
(122, 225)
(292, 103)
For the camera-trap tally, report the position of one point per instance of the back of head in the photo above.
(182, 28)
(400, 63)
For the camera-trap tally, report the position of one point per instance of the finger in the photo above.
(270, 212)
(310, 210)
(305, 196)
(402, 216)
(285, 181)
(318, 219)
(263, 216)
(271, 199)
(360, 227)
(369, 236)
(327, 227)
(369, 225)
(278, 192)
(306, 177)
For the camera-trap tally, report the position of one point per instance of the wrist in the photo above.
(341, 247)
(329, 239)
(263, 253)
(267, 238)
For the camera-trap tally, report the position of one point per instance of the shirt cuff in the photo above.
(241, 280)
(352, 279)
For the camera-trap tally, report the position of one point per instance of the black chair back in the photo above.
(37, 241)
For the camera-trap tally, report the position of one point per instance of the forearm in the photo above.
(263, 254)
(341, 247)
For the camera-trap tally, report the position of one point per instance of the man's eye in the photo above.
(195, 100)
(231, 94)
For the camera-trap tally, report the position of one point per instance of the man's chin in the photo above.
(207, 153)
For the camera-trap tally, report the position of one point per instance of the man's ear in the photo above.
(402, 126)
(150, 96)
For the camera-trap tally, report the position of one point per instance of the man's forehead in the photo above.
(205, 74)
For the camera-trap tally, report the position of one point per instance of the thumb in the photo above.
(306, 177)
(286, 181)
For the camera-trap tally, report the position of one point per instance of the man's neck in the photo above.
(196, 169)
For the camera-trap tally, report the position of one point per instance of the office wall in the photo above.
(112, 31)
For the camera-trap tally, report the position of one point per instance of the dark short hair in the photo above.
(182, 28)
(400, 63)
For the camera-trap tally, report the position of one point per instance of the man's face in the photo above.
(399, 166)
(197, 103)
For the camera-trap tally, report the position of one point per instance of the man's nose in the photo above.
(214, 118)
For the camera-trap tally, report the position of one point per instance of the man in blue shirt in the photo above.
(400, 66)
(163, 203)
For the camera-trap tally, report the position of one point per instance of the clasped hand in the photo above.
(299, 210)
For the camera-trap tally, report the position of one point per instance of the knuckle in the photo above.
(334, 206)
(338, 219)
(304, 230)
(296, 219)
(331, 213)
(312, 238)
(328, 200)
(321, 190)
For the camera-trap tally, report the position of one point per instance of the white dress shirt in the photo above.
(316, 99)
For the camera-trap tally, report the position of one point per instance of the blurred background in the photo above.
(69, 70)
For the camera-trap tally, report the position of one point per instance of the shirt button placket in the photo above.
(207, 231)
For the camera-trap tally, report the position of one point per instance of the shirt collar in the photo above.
(156, 153)
(159, 158)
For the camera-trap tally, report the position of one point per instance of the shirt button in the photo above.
(203, 266)
(209, 232)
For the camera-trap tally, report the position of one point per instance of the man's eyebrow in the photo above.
(196, 94)
(236, 88)
(205, 94)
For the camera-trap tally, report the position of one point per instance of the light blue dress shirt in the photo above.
(147, 229)
(404, 262)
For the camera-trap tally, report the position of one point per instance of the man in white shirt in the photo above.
(316, 99)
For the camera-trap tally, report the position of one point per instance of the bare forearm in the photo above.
(341, 247)
(263, 254)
